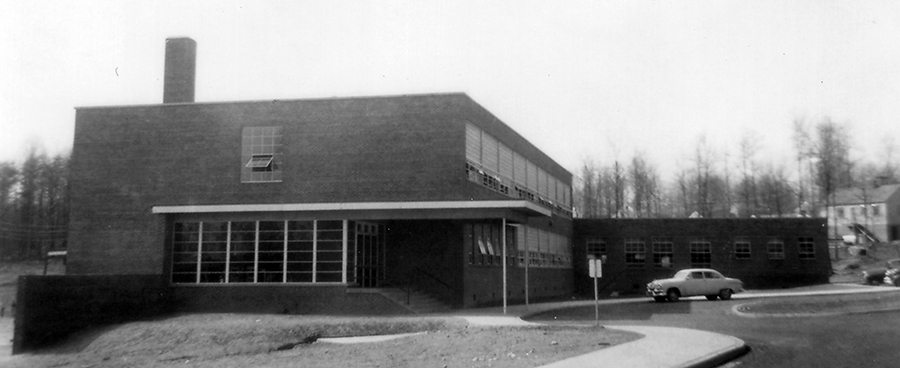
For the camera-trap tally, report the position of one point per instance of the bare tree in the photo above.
(683, 192)
(590, 190)
(889, 172)
(775, 193)
(703, 170)
(749, 146)
(643, 180)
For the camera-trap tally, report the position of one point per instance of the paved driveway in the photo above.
(870, 340)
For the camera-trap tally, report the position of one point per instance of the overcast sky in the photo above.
(591, 79)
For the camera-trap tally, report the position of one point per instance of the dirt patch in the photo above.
(231, 340)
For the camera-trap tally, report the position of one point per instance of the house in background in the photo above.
(864, 215)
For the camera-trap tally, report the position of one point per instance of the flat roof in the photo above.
(519, 205)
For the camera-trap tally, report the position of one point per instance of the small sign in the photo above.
(595, 268)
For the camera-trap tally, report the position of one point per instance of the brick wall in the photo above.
(126, 160)
(51, 307)
(757, 272)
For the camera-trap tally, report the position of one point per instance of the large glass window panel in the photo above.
(185, 252)
(242, 262)
(300, 251)
(213, 252)
(270, 264)
(329, 251)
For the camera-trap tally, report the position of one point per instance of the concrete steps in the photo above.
(419, 302)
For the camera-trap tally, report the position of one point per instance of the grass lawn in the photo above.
(243, 340)
(826, 304)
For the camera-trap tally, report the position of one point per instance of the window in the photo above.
(806, 248)
(634, 252)
(242, 252)
(485, 244)
(300, 247)
(261, 156)
(596, 248)
(876, 210)
(258, 252)
(775, 248)
(329, 251)
(701, 253)
(840, 212)
(185, 252)
(742, 248)
(213, 252)
(270, 251)
(663, 250)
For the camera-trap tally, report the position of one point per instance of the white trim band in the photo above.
(356, 206)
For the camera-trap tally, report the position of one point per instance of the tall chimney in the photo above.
(181, 64)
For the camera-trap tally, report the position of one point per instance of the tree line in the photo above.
(715, 183)
(34, 206)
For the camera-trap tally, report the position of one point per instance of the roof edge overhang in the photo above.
(528, 207)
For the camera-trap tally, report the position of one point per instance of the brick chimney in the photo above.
(181, 64)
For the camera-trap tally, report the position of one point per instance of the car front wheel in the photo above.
(673, 295)
(725, 294)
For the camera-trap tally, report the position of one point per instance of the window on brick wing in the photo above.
(261, 154)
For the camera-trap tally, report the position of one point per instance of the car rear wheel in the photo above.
(673, 295)
(711, 297)
(725, 294)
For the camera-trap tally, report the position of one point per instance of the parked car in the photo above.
(694, 282)
(876, 276)
(892, 277)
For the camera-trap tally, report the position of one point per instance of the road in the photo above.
(857, 340)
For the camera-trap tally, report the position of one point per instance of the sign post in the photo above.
(595, 269)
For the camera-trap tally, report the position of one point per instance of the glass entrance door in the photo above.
(370, 254)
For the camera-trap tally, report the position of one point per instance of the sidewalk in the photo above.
(660, 346)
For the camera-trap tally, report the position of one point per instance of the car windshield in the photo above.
(681, 274)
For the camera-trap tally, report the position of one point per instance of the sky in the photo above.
(581, 80)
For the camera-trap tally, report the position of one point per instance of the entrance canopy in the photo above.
(514, 210)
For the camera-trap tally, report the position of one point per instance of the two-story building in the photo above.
(292, 200)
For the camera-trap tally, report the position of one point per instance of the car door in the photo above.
(693, 284)
(713, 283)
